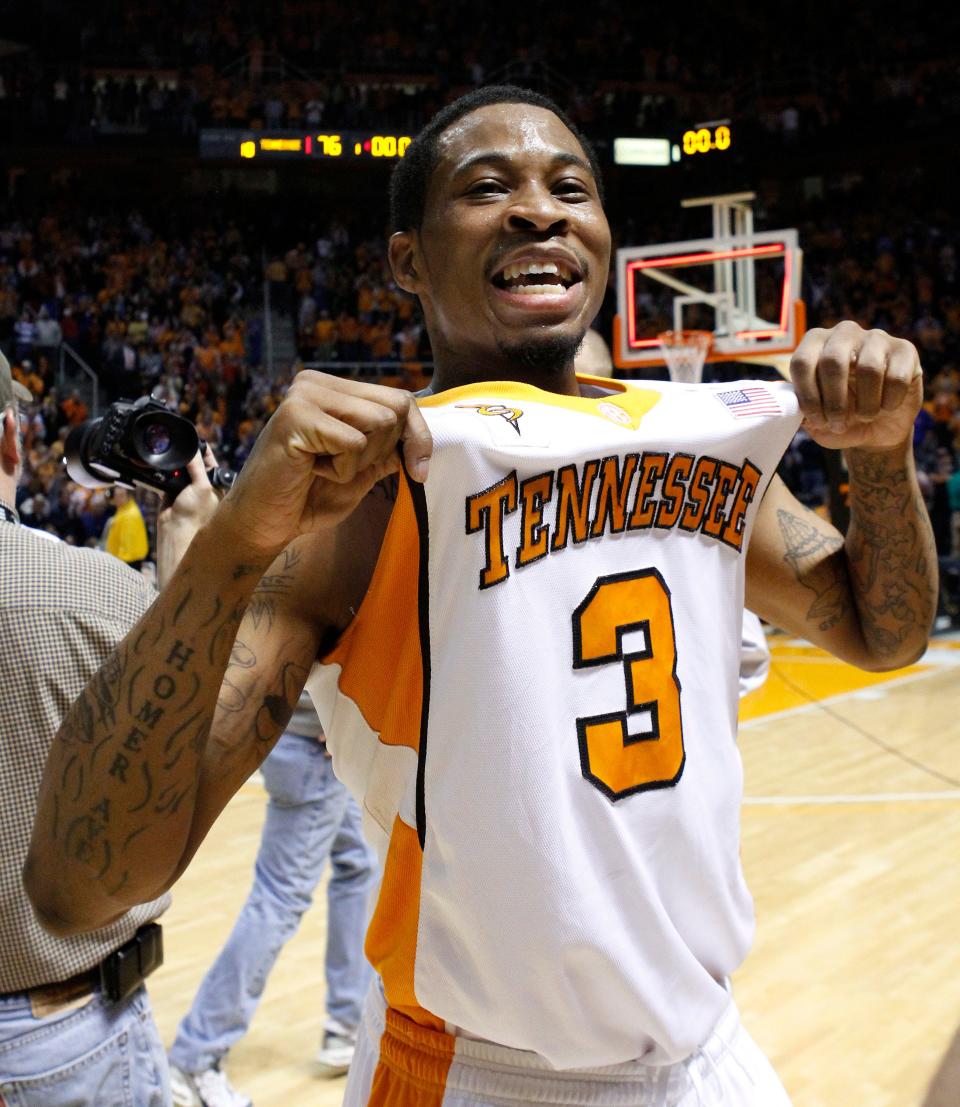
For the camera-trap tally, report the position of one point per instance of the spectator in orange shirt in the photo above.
(74, 409)
(380, 340)
(29, 378)
(207, 355)
(382, 303)
(231, 345)
(364, 300)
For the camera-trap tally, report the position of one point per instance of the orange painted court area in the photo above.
(801, 674)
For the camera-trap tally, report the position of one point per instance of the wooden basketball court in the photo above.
(851, 843)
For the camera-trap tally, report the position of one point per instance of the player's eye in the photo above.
(486, 187)
(572, 188)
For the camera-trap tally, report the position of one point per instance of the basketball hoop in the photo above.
(685, 352)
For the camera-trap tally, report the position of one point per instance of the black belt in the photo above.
(117, 976)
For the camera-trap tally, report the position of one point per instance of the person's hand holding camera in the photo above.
(179, 521)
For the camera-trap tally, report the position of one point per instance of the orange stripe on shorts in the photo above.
(413, 1067)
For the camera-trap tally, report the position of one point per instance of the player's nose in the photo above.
(536, 208)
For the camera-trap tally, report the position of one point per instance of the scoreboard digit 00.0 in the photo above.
(706, 137)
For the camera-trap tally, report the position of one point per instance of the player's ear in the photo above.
(9, 445)
(403, 251)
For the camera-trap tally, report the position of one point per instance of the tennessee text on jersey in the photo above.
(701, 494)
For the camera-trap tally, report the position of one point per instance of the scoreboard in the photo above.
(234, 144)
(230, 144)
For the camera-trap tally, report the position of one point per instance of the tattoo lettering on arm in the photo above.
(151, 713)
(816, 560)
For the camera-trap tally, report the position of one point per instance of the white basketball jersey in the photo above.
(536, 706)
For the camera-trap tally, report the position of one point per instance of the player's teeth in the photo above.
(540, 289)
(531, 268)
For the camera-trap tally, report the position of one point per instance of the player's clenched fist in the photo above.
(327, 444)
(857, 388)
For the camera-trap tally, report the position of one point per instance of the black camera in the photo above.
(139, 442)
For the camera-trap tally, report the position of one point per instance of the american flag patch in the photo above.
(745, 403)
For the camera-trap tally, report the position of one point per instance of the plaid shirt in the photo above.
(62, 610)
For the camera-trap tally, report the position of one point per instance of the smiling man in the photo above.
(517, 601)
(526, 284)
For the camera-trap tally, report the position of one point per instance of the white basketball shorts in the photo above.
(401, 1064)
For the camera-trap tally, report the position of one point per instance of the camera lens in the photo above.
(162, 440)
(156, 438)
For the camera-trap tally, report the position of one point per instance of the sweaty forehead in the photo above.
(514, 130)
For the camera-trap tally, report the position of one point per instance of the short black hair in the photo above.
(411, 174)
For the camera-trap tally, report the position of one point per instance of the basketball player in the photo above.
(523, 645)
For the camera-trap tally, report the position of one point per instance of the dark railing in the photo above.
(74, 374)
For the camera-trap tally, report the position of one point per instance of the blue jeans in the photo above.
(310, 817)
(103, 1053)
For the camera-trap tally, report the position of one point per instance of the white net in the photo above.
(685, 353)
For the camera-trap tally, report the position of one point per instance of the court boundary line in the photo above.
(852, 799)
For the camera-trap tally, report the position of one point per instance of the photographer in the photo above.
(75, 1020)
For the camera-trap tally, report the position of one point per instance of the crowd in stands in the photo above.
(139, 66)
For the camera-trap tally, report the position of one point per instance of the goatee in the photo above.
(550, 354)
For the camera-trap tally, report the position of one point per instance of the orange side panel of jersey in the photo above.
(382, 659)
(391, 944)
(380, 653)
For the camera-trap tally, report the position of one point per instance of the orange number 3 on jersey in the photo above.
(613, 759)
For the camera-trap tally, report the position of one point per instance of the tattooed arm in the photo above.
(870, 598)
(193, 698)
(138, 769)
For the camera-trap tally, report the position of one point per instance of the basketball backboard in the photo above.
(740, 285)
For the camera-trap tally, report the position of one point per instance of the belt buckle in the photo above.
(126, 968)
